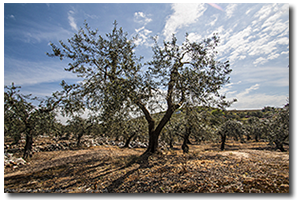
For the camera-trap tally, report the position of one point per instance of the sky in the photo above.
(254, 38)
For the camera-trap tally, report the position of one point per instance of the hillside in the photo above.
(249, 167)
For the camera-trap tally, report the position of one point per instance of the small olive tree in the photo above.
(278, 128)
(79, 127)
(231, 128)
(22, 116)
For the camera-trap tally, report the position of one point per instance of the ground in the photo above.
(250, 167)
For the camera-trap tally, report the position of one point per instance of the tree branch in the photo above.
(146, 113)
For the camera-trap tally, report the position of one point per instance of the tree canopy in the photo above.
(114, 80)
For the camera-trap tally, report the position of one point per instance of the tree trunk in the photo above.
(153, 142)
(223, 139)
(279, 146)
(171, 140)
(79, 138)
(256, 138)
(154, 133)
(185, 147)
(128, 140)
(248, 137)
(28, 145)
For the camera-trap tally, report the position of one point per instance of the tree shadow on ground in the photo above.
(143, 162)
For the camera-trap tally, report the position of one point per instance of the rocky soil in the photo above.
(13, 153)
(241, 168)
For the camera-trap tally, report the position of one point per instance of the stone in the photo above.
(283, 186)
(20, 161)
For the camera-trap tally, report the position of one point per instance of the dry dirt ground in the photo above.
(241, 168)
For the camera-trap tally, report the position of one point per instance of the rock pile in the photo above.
(104, 141)
(87, 141)
(55, 147)
(11, 161)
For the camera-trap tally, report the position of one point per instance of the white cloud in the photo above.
(230, 10)
(264, 12)
(227, 87)
(194, 37)
(242, 57)
(143, 33)
(273, 56)
(248, 90)
(258, 101)
(143, 36)
(12, 17)
(248, 11)
(260, 60)
(184, 15)
(212, 23)
(255, 42)
(72, 20)
(246, 100)
(141, 17)
(235, 43)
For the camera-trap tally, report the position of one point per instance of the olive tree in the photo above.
(255, 127)
(231, 128)
(22, 116)
(278, 128)
(79, 127)
(113, 77)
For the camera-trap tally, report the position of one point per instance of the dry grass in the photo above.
(241, 168)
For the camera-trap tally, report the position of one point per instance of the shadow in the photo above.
(142, 160)
(268, 148)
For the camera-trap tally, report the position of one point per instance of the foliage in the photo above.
(231, 128)
(22, 116)
(80, 126)
(255, 127)
(278, 128)
(113, 79)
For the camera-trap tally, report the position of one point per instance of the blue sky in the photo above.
(254, 38)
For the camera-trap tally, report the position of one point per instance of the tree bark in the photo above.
(223, 139)
(185, 147)
(28, 145)
(153, 142)
(171, 140)
(154, 135)
(79, 138)
(128, 140)
(279, 145)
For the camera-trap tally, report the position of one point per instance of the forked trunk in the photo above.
(154, 132)
(128, 140)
